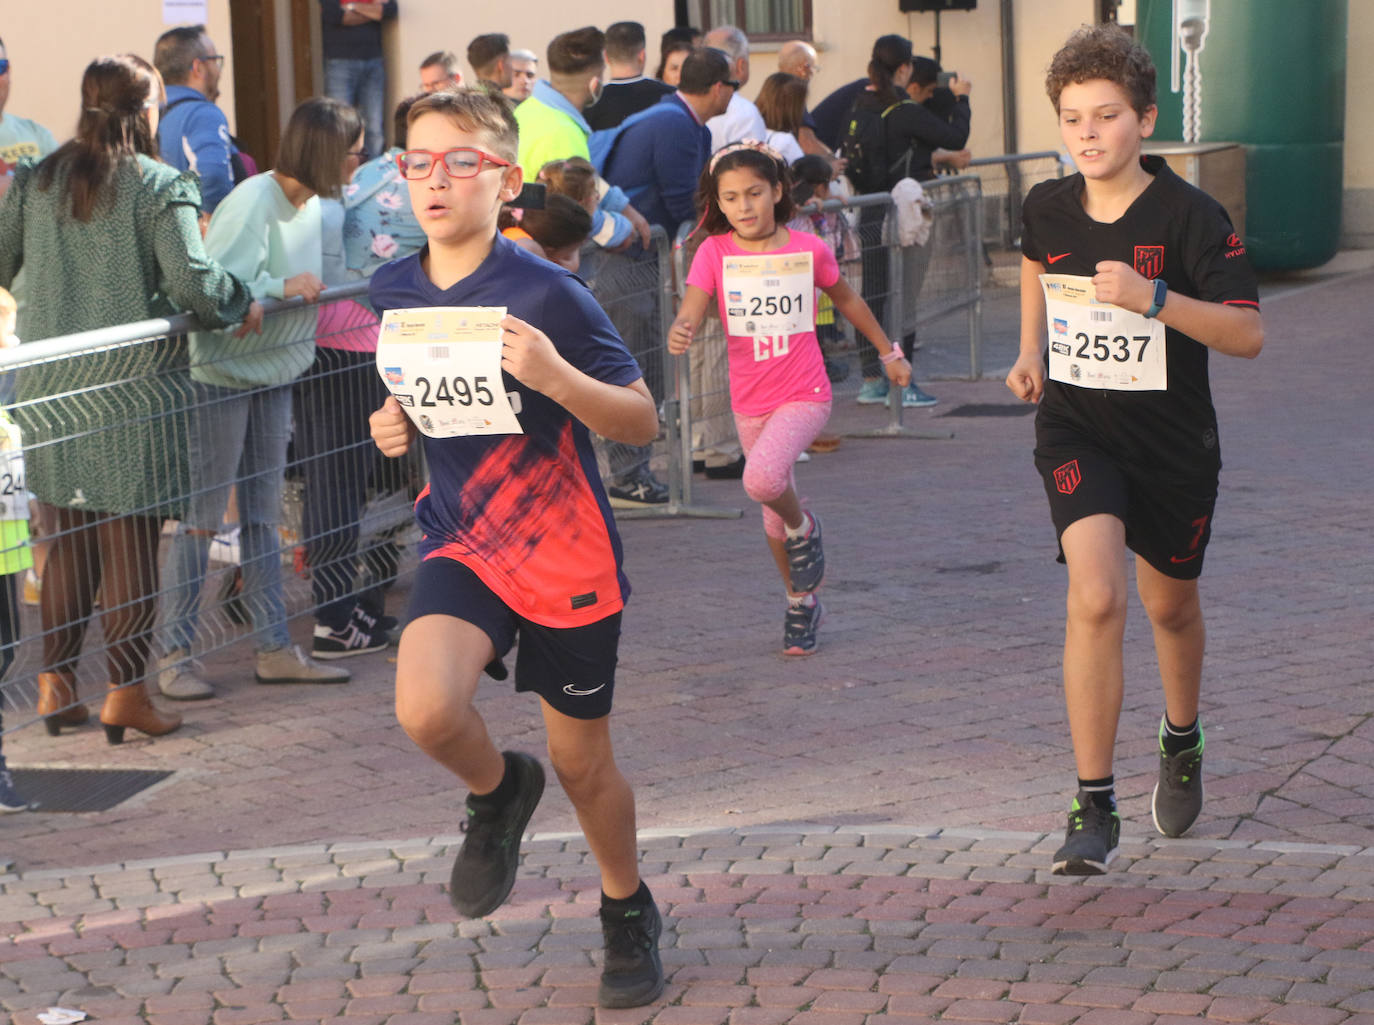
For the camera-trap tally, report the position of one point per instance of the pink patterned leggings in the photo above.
(771, 445)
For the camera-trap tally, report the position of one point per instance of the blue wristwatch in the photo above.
(1161, 293)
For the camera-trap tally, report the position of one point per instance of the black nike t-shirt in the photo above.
(1173, 231)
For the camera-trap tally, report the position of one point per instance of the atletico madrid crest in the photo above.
(1068, 477)
(1149, 261)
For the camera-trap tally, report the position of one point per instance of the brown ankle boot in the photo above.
(131, 706)
(55, 693)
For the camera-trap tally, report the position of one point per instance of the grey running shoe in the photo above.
(180, 678)
(633, 972)
(290, 665)
(914, 398)
(799, 628)
(484, 871)
(805, 559)
(1091, 841)
(1178, 794)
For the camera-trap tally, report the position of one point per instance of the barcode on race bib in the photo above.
(1100, 315)
(438, 352)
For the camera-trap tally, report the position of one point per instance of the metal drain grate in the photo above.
(75, 790)
(992, 409)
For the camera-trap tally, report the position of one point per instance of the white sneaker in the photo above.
(291, 665)
(178, 677)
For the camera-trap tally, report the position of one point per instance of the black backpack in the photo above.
(863, 143)
(238, 170)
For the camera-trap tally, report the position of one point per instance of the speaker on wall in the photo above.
(937, 5)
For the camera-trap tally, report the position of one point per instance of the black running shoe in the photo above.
(373, 619)
(633, 973)
(1091, 841)
(806, 559)
(484, 871)
(1177, 799)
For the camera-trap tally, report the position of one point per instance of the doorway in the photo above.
(275, 48)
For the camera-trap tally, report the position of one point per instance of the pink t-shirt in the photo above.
(761, 379)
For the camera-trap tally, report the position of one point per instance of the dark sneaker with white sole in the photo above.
(805, 559)
(799, 628)
(1177, 799)
(484, 871)
(633, 973)
(637, 490)
(374, 621)
(1091, 841)
(354, 639)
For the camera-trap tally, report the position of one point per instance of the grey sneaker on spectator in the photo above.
(290, 665)
(637, 490)
(1177, 799)
(633, 971)
(10, 800)
(484, 871)
(178, 677)
(806, 559)
(914, 398)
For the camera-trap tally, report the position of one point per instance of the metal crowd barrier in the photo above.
(145, 385)
(172, 416)
(1006, 181)
(131, 413)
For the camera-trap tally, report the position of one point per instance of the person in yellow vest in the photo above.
(15, 556)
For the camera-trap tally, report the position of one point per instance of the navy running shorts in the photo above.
(572, 668)
(1168, 523)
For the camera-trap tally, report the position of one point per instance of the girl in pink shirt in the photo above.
(765, 277)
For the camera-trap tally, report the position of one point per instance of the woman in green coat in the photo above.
(106, 234)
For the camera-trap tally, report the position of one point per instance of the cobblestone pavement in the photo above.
(854, 837)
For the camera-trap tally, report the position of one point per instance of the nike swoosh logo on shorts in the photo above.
(1187, 558)
(576, 692)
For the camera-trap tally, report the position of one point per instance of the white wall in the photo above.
(51, 44)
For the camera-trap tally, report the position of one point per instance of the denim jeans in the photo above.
(361, 83)
(237, 437)
(333, 400)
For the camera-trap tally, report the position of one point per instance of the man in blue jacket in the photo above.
(658, 153)
(194, 133)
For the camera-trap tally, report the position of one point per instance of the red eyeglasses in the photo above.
(462, 162)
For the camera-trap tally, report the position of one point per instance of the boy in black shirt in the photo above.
(1144, 274)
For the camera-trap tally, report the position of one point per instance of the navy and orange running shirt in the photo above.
(526, 512)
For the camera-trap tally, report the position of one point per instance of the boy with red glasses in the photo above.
(518, 534)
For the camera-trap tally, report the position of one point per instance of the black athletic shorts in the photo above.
(572, 668)
(1168, 522)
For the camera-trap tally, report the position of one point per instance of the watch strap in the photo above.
(1160, 295)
